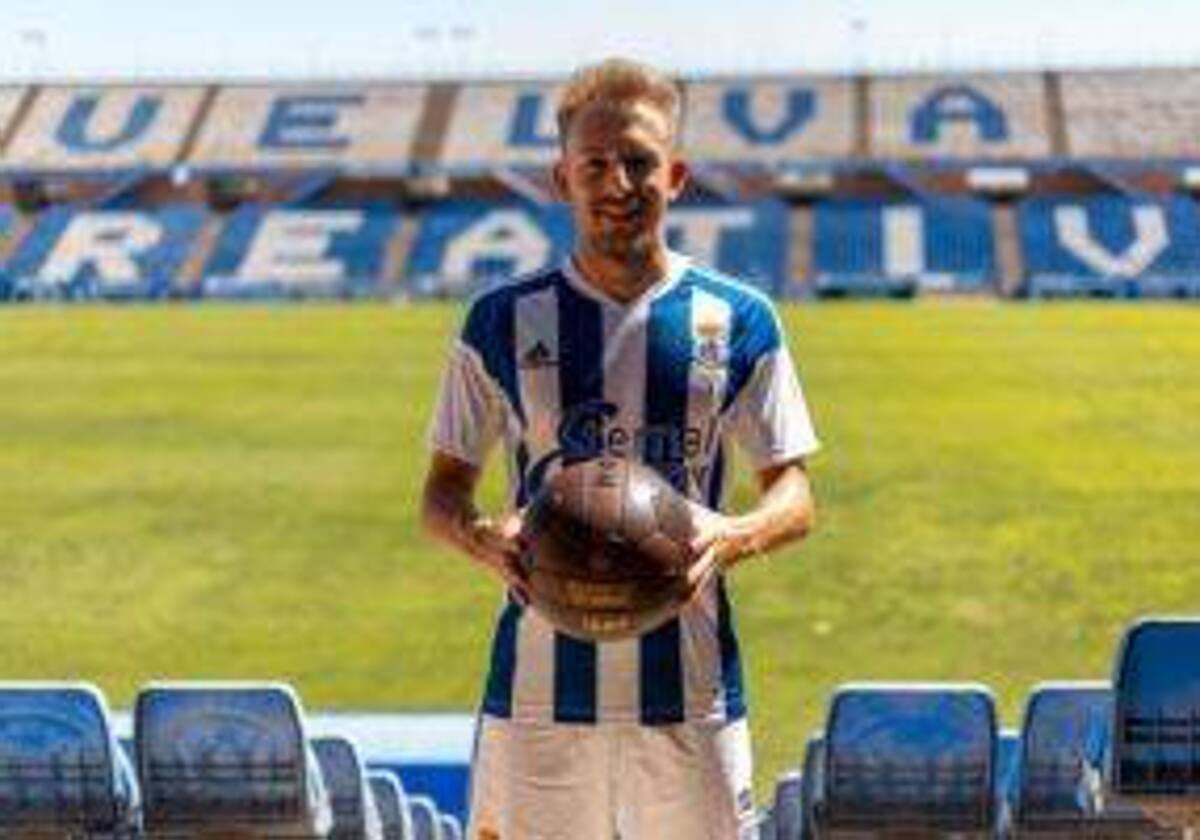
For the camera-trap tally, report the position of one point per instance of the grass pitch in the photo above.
(231, 492)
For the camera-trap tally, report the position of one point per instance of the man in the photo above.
(634, 351)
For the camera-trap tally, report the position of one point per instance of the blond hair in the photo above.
(623, 83)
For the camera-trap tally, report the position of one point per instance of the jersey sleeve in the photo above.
(769, 418)
(468, 415)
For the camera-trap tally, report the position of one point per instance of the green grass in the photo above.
(231, 492)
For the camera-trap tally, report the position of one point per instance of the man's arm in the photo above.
(448, 512)
(785, 513)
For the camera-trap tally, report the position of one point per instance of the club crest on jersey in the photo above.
(711, 343)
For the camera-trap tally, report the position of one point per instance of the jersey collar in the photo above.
(677, 266)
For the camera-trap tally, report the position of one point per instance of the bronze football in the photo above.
(607, 549)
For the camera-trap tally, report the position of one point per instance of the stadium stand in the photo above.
(271, 252)
(1023, 184)
(394, 818)
(1065, 737)
(1155, 758)
(222, 760)
(351, 127)
(978, 118)
(910, 758)
(501, 125)
(894, 248)
(355, 814)
(80, 254)
(427, 824)
(109, 127)
(770, 121)
(1111, 245)
(62, 773)
(1132, 114)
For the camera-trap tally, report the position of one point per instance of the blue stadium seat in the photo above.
(426, 821)
(1066, 735)
(227, 760)
(61, 769)
(451, 827)
(905, 759)
(392, 805)
(765, 827)
(355, 816)
(812, 786)
(787, 806)
(1155, 758)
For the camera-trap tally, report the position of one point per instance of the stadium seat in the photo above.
(227, 760)
(764, 825)
(392, 805)
(62, 773)
(812, 786)
(1066, 734)
(451, 827)
(905, 760)
(1155, 758)
(787, 807)
(355, 816)
(426, 821)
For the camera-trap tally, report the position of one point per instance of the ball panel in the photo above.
(608, 549)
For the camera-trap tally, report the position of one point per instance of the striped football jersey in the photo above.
(555, 369)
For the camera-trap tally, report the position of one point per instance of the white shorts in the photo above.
(689, 781)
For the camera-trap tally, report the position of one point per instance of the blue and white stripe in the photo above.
(674, 359)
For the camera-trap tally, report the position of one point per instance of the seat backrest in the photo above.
(1065, 731)
(812, 782)
(425, 818)
(392, 804)
(229, 757)
(59, 762)
(787, 807)
(911, 756)
(451, 827)
(355, 816)
(1156, 720)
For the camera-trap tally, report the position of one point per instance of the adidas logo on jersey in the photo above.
(537, 356)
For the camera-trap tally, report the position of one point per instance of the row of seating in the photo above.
(206, 761)
(1087, 244)
(393, 127)
(1116, 760)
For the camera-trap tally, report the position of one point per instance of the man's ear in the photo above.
(680, 175)
(558, 173)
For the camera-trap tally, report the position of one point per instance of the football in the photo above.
(607, 549)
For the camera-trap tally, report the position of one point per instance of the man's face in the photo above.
(619, 172)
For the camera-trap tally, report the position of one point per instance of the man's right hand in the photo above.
(496, 544)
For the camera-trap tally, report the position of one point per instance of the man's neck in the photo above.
(621, 280)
